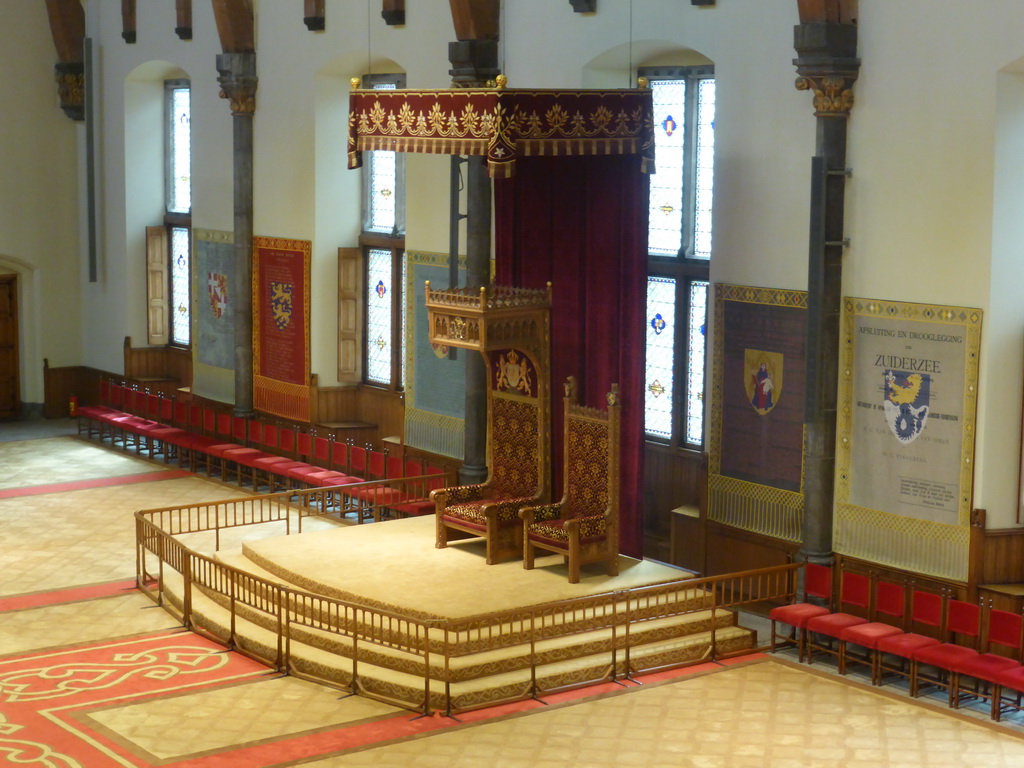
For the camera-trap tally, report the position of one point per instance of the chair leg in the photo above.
(528, 554)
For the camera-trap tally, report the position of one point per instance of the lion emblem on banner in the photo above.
(281, 304)
(906, 403)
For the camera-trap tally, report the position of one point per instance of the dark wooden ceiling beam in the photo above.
(128, 21)
(235, 25)
(67, 26)
(393, 13)
(314, 15)
(475, 19)
(827, 11)
(184, 10)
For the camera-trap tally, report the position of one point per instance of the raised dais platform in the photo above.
(397, 566)
(439, 629)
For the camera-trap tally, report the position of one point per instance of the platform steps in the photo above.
(478, 679)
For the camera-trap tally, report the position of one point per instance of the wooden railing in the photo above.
(433, 642)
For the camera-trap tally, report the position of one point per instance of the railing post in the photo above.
(233, 597)
(280, 629)
(426, 680)
(533, 654)
(186, 598)
(354, 631)
(160, 572)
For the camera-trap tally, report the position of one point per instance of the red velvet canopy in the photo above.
(571, 208)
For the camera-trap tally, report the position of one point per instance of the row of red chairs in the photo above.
(250, 451)
(931, 639)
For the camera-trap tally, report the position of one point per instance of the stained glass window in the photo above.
(179, 139)
(665, 236)
(178, 202)
(181, 274)
(704, 177)
(379, 302)
(661, 325)
(383, 179)
(695, 361)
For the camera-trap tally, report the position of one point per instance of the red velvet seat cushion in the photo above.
(1011, 678)
(219, 449)
(904, 645)
(553, 531)
(265, 461)
(798, 614)
(944, 655)
(415, 508)
(247, 457)
(833, 624)
(328, 479)
(986, 666)
(868, 635)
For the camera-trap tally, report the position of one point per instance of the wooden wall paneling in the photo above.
(62, 383)
(671, 481)
(730, 550)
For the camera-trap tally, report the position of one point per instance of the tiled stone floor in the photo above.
(767, 712)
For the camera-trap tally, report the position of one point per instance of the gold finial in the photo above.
(641, 82)
(355, 82)
(500, 82)
(613, 396)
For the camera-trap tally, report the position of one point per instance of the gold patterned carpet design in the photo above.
(93, 675)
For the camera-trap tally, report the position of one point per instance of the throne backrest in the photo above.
(590, 481)
(516, 450)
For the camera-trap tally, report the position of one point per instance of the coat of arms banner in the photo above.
(216, 289)
(905, 448)
(280, 309)
(755, 467)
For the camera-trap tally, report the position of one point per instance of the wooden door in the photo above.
(10, 397)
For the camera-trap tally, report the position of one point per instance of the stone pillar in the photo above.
(474, 62)
(238, 84)
(827, 66)
(478, 274)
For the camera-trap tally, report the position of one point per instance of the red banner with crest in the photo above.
(280, 314)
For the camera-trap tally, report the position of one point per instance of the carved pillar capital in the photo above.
(238, 81)
(70, 76)
(827, 65)
(833, 94)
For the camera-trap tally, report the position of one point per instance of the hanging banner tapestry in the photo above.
(216, 290)
(905, 449)
(280, 322)
(757, 413)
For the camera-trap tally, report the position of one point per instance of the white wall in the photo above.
(933, 143)
(38, 197)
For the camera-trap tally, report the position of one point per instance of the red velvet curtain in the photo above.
(581, 223)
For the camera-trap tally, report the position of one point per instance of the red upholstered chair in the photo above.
(584, 525)
(89, 415)
(1011, 679)
(890, 602)
(232, 434)
(855, 592)
(274, 465)
(319, 463)
(926, 612)
(174, 423)
(962, 619)
(817, 584)
(415, 506)
(1004, 631)
(190, 445)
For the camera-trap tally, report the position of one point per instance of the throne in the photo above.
(584, 525)
(509, 327)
